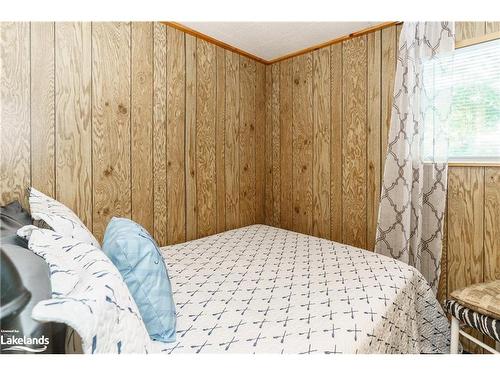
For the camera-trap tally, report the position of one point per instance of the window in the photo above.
(474, 129)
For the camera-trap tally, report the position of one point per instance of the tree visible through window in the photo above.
(474, 129)
(475, 121)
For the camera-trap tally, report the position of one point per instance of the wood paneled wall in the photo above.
(327, 114)
(469, 31)
(135, 120)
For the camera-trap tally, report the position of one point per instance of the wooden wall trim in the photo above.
(341, 39)
(473, 164)
(477, 40)
(217, 42)
(231, 48)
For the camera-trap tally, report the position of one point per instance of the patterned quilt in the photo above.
(260, 289)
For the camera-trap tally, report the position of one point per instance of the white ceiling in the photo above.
(269, 40)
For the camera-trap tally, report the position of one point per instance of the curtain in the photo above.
(413, 196)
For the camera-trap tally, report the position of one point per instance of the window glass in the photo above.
(474, 77)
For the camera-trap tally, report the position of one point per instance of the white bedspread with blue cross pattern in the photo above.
(261, 289)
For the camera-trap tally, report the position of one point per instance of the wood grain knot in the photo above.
(191, 172)
(304, 168)
(296, 209)
(105, 211)
(122, 109)
(252, 127)
(245, 168)
(106, 104)
(141, 77)
(108, 171)
(296, 81)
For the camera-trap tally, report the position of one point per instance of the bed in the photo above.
(261, 289)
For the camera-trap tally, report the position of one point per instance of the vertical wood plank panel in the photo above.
(191, 85)
(110, 105)
(373, 146)
(336, 84)
(492, 27)
(465, 231)
(469, 30)
(354, 138)
(42, 107)
(73, 67)
(492, 223)
(160, 133)
(260, 132)
(275, 143)
(176, 85)
(232, 124)
(247, 141)
(220, 139)
(302, 143)
(268, 184)
(286, 138)
(15, 111)
(389, 49)
(465, 226)
(142, 125)
(205, 138)
(321, 143)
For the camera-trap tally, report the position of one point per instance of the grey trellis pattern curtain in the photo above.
(413, 196)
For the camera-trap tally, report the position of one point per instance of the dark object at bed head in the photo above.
(34, 274)
(13, 216)
(14, 298)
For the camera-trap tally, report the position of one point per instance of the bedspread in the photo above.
(261, 289)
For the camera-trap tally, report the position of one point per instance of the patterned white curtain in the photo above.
(412, 203)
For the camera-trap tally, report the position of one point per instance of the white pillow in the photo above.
(89, 295)
(59, 217)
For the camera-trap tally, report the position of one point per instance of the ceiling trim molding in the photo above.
(341, 39)
(217, 42)
(228, 47)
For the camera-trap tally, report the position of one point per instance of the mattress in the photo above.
(261, 289)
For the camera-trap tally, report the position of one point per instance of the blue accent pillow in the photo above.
(136, 255)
